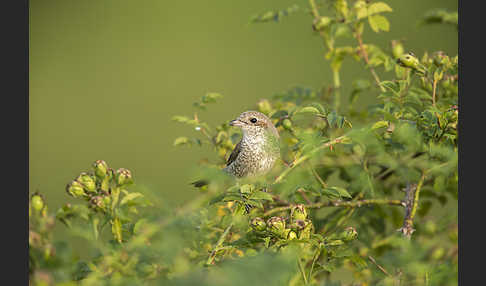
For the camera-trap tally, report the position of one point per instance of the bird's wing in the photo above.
(234, 154)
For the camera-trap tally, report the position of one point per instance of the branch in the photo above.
(218, 244)
(411, 203)
(365, 56)
(304, 158)
(345, 204)
(377, 265)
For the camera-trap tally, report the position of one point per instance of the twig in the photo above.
(314, 10)
(377, 265)
(411, 203)
(301, 268)
(218, 244)
(365, 56)
(345, 204)
(306, 157)
(204, 131)
(434, 87)
(321, 181)
(302, 193)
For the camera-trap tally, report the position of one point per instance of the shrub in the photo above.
(359, 191)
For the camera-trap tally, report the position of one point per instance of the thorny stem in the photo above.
(319, 179)
(306, 157)
(218, 245)
(339, 203)
(337, 93)
(411, 203)
(204, 131)
(314, 10)
(377, 265)
(365, 56)
(302, 193)
(416, 197)
(337, 82)
(301, 268)
(433, 92)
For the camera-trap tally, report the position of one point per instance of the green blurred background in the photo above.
(106, 77)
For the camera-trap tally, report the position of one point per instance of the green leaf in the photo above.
(440, 16)
(181, 119)
(210, 97)
(246, 189)
(238, 198)
(139, 225)
(308, 109)
(378, 22)
(358, 262)
(361, 9)
(182, 141)
(319, 106)
(379, 124)
(332, 118)
(130, 197)
(274, 15)
(260, 195)
(116, 229)
(391, 86)
(341, 191)
(341, 7)
(378, 7)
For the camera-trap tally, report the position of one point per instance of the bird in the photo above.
(257, 151)
(259, 148)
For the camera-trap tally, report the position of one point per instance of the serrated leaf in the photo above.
(181, 119)
(309, 109)
(391, 86)
(246, 189)
(116, 229)
(358, 262)
(379, 124)
(130, 197)
(332, 118)
(233, 198)
(341, 7)
(138, 226)
(260, 195)
(181, 141)
(378, 7)
(378, 22)
(210, 97)
(340, 191)
(279, 113)
(319, 106)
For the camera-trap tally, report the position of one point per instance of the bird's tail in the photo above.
(200, 183)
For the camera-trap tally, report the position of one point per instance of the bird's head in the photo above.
(254, 123)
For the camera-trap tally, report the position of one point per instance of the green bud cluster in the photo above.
(348, 234)
(96, 186)
(37, 203)
(300, 227)
(298, 212)
(258, 224)
(123, 177)
(276, 226)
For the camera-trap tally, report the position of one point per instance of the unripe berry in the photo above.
(37, 202)
(75, 189)
(87, 181)
(100, 168)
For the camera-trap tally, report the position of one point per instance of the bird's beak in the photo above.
(236, 122)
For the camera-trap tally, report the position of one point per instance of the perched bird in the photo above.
(258, 149)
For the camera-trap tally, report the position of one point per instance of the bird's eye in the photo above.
(253, 120)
